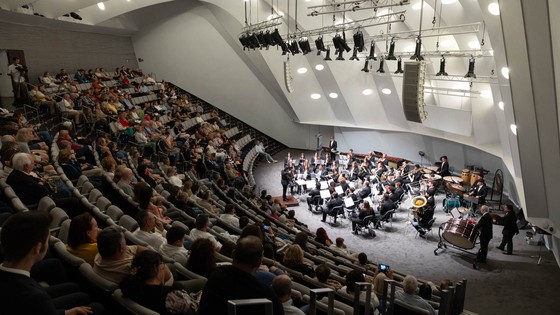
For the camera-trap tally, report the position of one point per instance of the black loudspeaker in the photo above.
(413, 91)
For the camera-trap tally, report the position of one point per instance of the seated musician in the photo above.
(302, 161)
(334, 202)
(364, 169)
(289, 161)
(365, 191)
(479, 191)
(365, 210)
(416, 173)
(350, 159)
(314, 196)
(349, 193)
(343, 184)
(397, 193)
(386, 206)
(443, 170)
(354, 172)
(321, 172)
(381, 168)
(424, 215)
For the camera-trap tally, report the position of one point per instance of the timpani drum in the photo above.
(475, 176)
(466, 176)
(460, 233)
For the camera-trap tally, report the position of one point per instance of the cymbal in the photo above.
(432, 176)
(453, 179)
(432, 168)
(463, 210)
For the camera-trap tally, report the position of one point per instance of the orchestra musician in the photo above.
(333, 148)
(289, 161)
(302, 161)
(484, 225)
(334, 202)
(286, 180)
(397, 192)
(315, 159)
(510, 229)
(443, 170)
(479, 191)
(383, 159)
(343, 184)
(350, 159)
(314, 198)
(386, 205)
(365, 191)
(422, 217)
(381, 168)
(365, 210)
(354, 172)
(321, 172)
(364, 169)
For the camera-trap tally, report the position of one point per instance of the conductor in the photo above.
(285, 181)
(333, 148)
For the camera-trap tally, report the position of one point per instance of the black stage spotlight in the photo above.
(399, 66)
(75, 16)
(359, 40)
(244, 41)
(344, 44)
(269, 39)
(470, 73)
(277, 37)
(340, 52)
(366, 66)
(337, 43)
(381, 64)
(355, 54)
(372, 52)
(254, 41)
(417, 54)
(285, 49)
(391, 55)
(442, 67)
(319, 45)
(328, 55)
(304, 45)
(293, 46)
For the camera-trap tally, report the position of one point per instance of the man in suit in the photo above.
(333, 148)
(484, 225)
(480, 190)
(25, 240)
(386, 206)
(314, 193)
(330, 209)
(509, 222)
(286, 179)
(444, 168)
(365, 191)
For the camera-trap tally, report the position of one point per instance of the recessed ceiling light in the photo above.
(101, 6)
(333, 95)
(501, 105)
(505, 72)
(494, 8)
(486, 94)
(367, 91)
(315, 96)
(386, 91)
(513, 128)
(474, 44)
(319, 67)
(302, 70)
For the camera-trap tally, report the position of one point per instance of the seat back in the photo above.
(115, 213)
(400, 307)
(128, 222)
(63, 232)
(130, 305)
(46, 204)
(96, 280)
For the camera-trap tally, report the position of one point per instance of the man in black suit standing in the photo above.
(333, 148)
(484, 225)
(444, 168)
(286, 180)
(480, 190)
(510, 229)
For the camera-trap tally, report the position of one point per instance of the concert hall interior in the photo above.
(493, 108)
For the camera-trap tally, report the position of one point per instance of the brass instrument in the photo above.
(418, 204)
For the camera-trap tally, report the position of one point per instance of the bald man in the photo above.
(282, 286)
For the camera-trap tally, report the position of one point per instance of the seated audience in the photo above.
(356, 276)
(82, 237)
(322, 237)
(293, 259)
(282, 287)
(201, 231)
(323, 272)
(408, 295)
(202, 257)
(147, 229)
(174, 247)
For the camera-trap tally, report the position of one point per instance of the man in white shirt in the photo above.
(174, 248)
(229, 216)
(260, 149)
(17, 71)
(201, 231)
(147, 232)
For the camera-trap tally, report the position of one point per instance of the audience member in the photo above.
(147, 229)
(82, 237)
(202, 258)
(175, 246)
(201, 231)
(408, 295)
(282, 287)
(323, 272)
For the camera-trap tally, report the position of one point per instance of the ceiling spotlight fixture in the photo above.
(101, 6)
(494, 8)
(441, 67)
(391, 55)
(501, 105)
(366, 66)
(372, 52)
(399, 66)
(302, 70)
(319, 67)
(355, 55)
(359, 40)
(333, 95)
(513, 128)
(505, 72)
(328, 55)
(470, 73)
(367, 92)
(381, 64)
(279, 41)
(319, 45)
(293, 46)
(315, 96)
(304, 45)
(417, 55)
(386, 91)
(340, 57)
(340, 43)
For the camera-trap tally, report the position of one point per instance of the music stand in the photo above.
(325, 194)
(339, 190)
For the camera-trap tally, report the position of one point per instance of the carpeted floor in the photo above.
(504, 285)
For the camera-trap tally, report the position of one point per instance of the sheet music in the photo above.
(325, 194)
(348, 202)
(301, 182)
(310, 183)
(324, 185)
(339, 190)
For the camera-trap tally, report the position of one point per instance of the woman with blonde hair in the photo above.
(293, 259)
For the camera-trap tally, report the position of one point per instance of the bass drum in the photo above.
(460, 233)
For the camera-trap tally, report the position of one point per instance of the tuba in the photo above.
(418, 204)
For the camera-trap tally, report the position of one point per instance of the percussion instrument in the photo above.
(471, 199)
(451, 203)
(464, 210)
(432, 176)
(460, 233)
(455, 188)
(466, 176)
(475, 176)
(432, 168)
(453, 179)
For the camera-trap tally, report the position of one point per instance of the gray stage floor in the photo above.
(504, 285)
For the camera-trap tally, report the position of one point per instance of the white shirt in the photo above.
(230, 219)
(16, 271)
(179, 254)
(16, 75)
(153, 239)
(196, 234)
(259, 148)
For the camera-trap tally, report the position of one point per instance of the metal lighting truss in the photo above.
(262, 25)
(352, 6)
